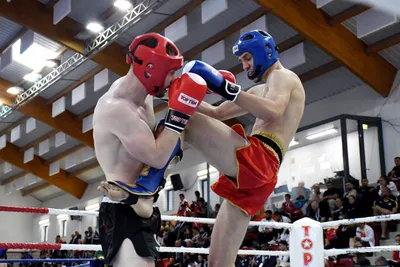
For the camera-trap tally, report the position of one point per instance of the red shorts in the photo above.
(258, 166)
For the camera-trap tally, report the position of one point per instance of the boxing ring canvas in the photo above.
(343, 147)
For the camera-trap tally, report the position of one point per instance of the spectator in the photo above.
(287, 206)
(331, 194)
(384, 205)
(338, 211)
(316, 194)
(381, 261)
(350, 191)
(343, 235)
(365, 235)
(384, 181)
(351, 210)
(300, 190)
(318, 214)
(3, 256)
(396, 256)
(184, 206)
(395, 172)
(283, 261)
(283, 233)
(367, 195)
(92, 237)
(216, 210)
(265, 233)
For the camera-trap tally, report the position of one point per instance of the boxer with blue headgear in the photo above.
(249, 163)
(262, 48)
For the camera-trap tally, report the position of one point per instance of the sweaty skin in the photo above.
(123, 125)
(278, 106)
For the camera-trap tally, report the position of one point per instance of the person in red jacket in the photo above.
(396, 254)
(287, 206)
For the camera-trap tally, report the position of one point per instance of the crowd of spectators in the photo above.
(359, 199)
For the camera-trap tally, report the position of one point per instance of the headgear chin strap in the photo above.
(262, 47)
(152, 57)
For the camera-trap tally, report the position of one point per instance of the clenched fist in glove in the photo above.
(219, 82)
(184, 96)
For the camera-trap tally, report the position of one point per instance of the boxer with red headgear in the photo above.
(133, 153)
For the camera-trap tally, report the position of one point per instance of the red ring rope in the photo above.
(27, 210)
(30, 246)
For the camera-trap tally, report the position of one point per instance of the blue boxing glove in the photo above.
(214, 79)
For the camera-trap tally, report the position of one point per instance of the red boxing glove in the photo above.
(184, 96)
(227, 75)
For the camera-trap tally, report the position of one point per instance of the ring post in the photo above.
(306, 244)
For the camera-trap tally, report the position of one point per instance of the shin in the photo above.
(227, 236)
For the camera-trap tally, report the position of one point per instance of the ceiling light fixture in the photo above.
(321, 134)
(94, 27)
(34, 57)
(15, 90)
(123, 5)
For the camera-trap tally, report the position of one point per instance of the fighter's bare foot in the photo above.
(113, 192)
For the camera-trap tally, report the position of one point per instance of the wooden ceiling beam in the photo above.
(31, 14)
(70, 88)
(336, 40)
(38, 141)
(37, 109)
(69, 184)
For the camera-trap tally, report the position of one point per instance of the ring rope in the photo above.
(379, 218)
(277, 225)
(50, 211)
(333, 252)
(327, 252)
(46, 260)
(43, 246)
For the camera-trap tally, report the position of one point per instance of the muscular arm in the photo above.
(272, 104)
(227, 110)
(138, 139)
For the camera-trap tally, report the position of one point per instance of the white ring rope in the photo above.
(277, 225)
(327, 252)
(333, 252)
(379, 218)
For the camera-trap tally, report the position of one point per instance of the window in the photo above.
(64, 228)
(204, 188)
(45, 233)
(170, 200)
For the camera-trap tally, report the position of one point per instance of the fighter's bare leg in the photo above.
(228, 233)
(217, 141)
(143, 207)
(127, 256)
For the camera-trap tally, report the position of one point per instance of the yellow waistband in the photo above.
(273, 137)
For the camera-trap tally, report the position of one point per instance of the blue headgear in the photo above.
(262, 47)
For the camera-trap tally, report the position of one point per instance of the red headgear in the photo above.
(153, 56)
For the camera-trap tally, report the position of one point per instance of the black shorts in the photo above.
(119, 221)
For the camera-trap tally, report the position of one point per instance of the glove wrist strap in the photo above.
(176, 121)
(232, 91)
